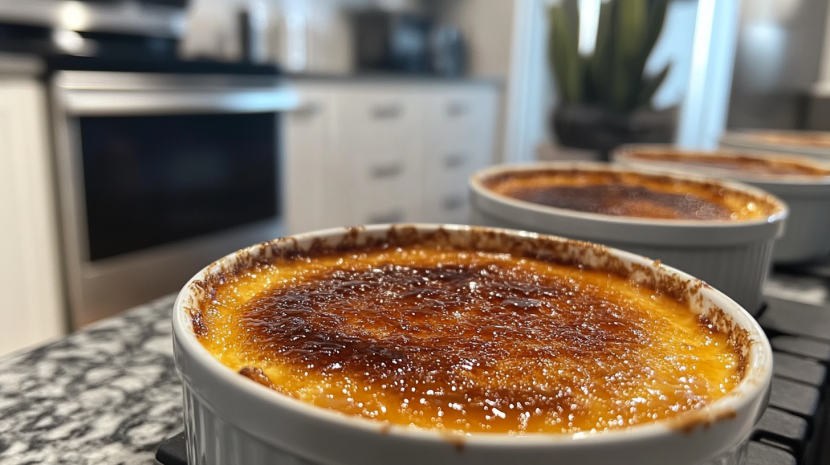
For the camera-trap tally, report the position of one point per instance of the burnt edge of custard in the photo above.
(492, 181)
(799, 167)
(565, 252)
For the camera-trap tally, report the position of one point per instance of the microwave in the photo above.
(390, 41)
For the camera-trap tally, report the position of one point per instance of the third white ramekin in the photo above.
(758, 140)
(807, 236)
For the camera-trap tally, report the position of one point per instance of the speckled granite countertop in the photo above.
(106, 395)
(110, 393)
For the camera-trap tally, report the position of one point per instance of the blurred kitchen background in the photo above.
(142, 139)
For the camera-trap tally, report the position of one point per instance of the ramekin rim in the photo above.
(477, 185)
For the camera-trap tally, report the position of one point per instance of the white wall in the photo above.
(705, 109)
(488, 26)
(530, 88)
(303, 36)
(310, 36)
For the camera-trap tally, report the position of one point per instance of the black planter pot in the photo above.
(594, 128)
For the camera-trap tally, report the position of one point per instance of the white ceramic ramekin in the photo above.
(807, 236)
(756, 139)
(733, 256)
(230, 419)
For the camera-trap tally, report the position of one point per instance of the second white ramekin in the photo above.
(733, 256)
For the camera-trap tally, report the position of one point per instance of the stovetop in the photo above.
(115, 52)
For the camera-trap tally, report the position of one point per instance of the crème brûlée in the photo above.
(631, 194)
(816, 139)
(740, 164)
(465, 341)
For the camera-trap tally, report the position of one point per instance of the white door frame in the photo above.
(525, 99)
(706, 105)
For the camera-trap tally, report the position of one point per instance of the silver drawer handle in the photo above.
(387, 111)
(393, 216)
(387, 171)
(456, 109)
(453, 202)
(454, 160)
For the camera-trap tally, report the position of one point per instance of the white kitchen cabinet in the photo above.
(305, 133)
(459, 133)
(377, 145)
(384, 152)
(31, 310)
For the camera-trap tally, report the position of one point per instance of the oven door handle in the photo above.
(85, 102)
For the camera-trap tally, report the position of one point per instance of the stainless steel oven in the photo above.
(159, 174)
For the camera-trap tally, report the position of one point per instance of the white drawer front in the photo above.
(388, 201)
(453, 114)
(451, 205)
(305, 173)
(460, 124)
(380, 126)
(381, 140)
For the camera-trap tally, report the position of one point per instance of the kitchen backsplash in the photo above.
(301, 35)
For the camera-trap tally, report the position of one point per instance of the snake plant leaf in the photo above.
(630, 36)
(599, 76)
(589, 91)
(650, 86)
(572, 12)
(613, 76)
(563, 48)
(653, 27)
(656, 19)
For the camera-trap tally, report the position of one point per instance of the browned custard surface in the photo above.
(630, 194)
(794, 139)
(737, 163)
(468, 342)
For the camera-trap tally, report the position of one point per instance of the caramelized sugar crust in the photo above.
(630, 194)
(738, 163)
(467, 341)
(793, 139)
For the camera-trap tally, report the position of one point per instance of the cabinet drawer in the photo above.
(452, 117)
(460, 125)
(452, 166)
(388, 195)
(387, 215)
(380, 126)
(386, 202)
(449, 206)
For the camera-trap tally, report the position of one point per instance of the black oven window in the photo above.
(153, 180)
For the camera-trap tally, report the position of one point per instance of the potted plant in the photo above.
(606, 97)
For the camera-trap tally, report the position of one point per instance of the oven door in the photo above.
(159, 175)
